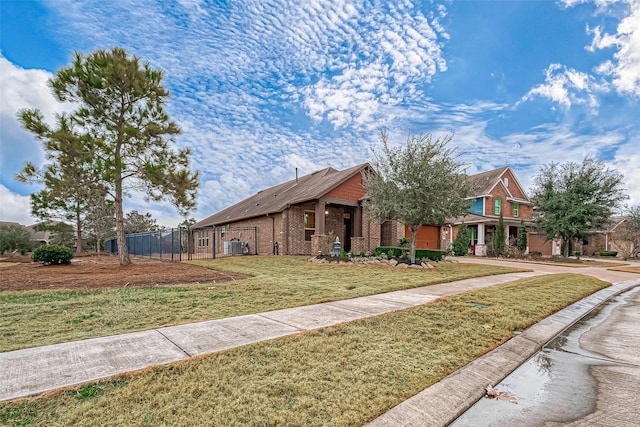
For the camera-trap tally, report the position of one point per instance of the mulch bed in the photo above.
(103, 272)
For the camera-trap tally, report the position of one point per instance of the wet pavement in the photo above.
(587, 376)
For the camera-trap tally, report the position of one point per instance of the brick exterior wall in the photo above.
(371, 231)
(296, 244)
(334, 223)
(513, 188)
(596, 242)
(505, 207)
(391, 233)
(265, 233)
(537, 244)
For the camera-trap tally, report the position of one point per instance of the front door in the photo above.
(348, 230)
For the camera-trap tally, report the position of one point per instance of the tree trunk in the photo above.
(79, 243)
(567, 246)
(123, 252)
(412, 244)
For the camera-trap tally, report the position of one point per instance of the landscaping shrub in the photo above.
(608, 253)
(52, 254)
(394, 251)
(461, 242)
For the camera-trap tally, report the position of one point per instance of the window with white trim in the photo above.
(496, 206)
(515, 210)
(203, 238)
(309, 225)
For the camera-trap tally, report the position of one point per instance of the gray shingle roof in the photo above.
(278, 198)
(483, 182)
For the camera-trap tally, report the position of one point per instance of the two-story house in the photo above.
(496, 192)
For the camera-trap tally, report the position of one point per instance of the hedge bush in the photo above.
(608, 253)
(431, 254)
(52, 254)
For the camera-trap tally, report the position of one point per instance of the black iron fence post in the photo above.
(214, 241)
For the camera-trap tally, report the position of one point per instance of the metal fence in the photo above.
(182, 243)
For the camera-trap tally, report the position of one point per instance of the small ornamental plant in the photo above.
(52, 254)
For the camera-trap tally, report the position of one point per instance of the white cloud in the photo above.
(14, 207)
(567, 86)
(395, 51)
(20, 88)
(625, 69)
(263, 87)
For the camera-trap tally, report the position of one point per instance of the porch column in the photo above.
(357, 222)
(481, 234)
(481, 247)
(506, 236)
(320, 217)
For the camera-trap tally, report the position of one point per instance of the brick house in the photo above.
(496, 192)
(298, 214)
(612, 237)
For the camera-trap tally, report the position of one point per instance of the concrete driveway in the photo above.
(602, 273)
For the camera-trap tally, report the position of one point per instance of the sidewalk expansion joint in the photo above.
(264, 316)
(174, 343)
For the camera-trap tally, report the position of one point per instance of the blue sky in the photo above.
(260, 88)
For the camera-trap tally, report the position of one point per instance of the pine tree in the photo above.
(124, 129)
(461, 242)
(521, 237)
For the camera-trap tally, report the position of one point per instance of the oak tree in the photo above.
(419, 184)
(572, 199)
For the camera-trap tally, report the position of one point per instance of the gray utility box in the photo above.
(233, 247)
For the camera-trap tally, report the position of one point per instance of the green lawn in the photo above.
(46, 317)
(344, 375)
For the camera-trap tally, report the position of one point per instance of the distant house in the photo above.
(497, 192)
(611, 237)
(40, 237)
(298, 214)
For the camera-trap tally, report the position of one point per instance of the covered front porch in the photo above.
(483, 234)
(345, 220)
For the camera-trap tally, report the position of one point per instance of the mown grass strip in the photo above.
(627, 269)
(31, 319)
(344, 375)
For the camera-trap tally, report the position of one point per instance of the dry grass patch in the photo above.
(627, 269)
(46, 317)
(564, 262)
(342, 376)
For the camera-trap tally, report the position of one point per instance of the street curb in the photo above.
(445, 401)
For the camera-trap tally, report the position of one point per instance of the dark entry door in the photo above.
(348, 230)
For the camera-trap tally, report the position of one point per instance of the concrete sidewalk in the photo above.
(36, 370)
